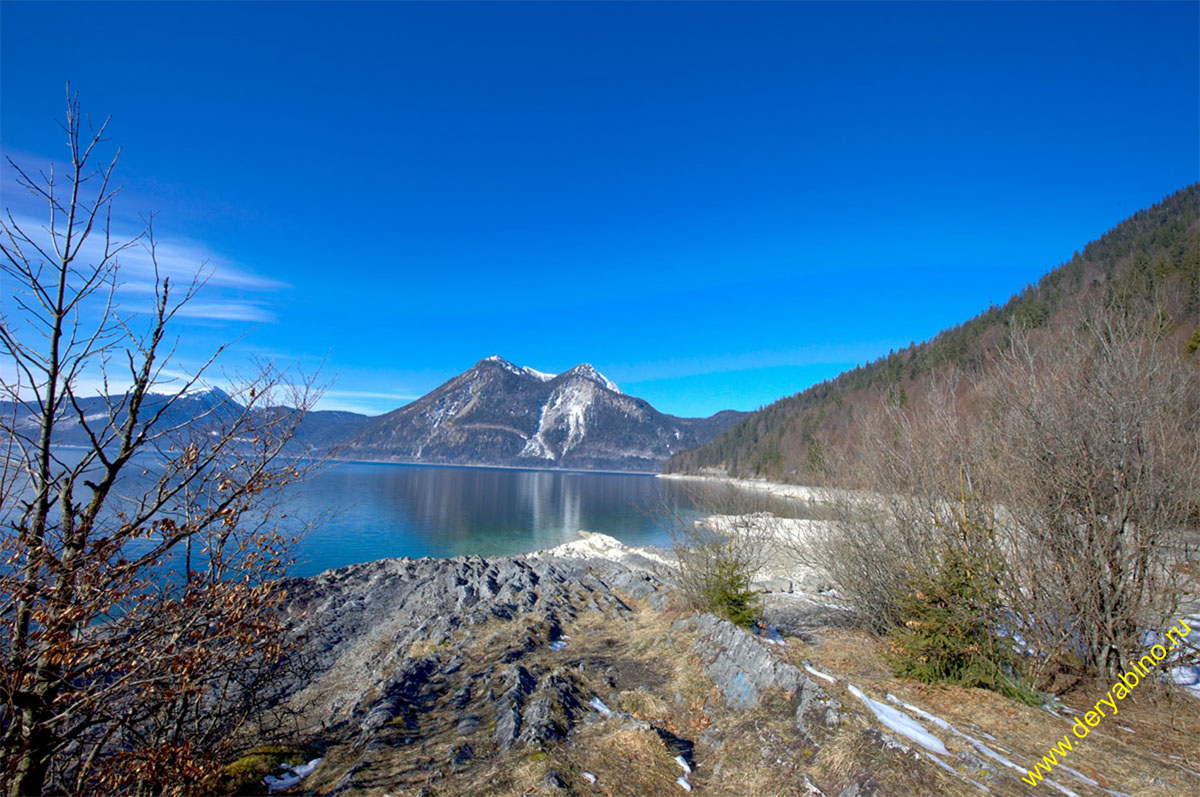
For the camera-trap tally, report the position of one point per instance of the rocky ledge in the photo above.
(434, 675)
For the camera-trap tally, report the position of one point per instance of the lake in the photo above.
(366, 511)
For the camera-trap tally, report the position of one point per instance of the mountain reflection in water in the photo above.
(366, 511)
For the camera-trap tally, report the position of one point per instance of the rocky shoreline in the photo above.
(573, 670)
(796, 492)
(414, 669)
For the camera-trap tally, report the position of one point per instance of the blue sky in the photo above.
(715, 204)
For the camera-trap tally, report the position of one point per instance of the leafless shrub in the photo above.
(914, 494)
(1076, 460)
(1093, 443)
(721, 545)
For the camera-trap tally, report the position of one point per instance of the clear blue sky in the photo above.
(716, 205)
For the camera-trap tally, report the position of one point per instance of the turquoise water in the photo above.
(365, 511)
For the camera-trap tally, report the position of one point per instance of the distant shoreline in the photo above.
(779, 489)
(410, 463)
(792, 492)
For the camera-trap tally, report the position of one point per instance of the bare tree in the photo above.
(138, 629)
(915, 470)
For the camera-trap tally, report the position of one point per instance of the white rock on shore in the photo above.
(794, 492)
(592, 545)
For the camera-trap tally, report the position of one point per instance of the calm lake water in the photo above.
(366, 511)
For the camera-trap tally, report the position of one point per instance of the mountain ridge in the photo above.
(500, 414)
(1152, 259)
(495, 414)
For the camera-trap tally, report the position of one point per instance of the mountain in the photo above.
(328, 431)
(498, 413)
(198, 408)
(196, 405)
(1151, 260)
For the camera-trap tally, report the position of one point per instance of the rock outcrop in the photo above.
(426, 668)
(742, 668)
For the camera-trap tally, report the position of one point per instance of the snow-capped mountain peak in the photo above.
(520, 370)
(581, 371)
(498, 413)
(212, 395)
(586, 371)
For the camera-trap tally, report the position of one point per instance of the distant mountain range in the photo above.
(204, 404)
(496, 413)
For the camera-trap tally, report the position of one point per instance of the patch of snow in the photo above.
(683, 784)
(503, 363)
(819, 674)
(1187, 677)
(901, 723)
(955, 772)
(1151, 638)
(539, 375)
(978, 745)
(589, 777)
(1186, 674)
(290, 776)
(558, 644)
(567, 407)
(536, 446)
(1079, 775)
(519, 370)
(598, 704)
(936, 720)
(981, 747)
(682, 762)
(445, 408)
(1021, 645)
(586, 371)
(214, 395)
(1181, 766)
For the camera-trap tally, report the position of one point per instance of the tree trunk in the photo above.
(29, 775)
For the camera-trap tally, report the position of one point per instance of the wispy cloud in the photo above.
(365, 402)
(227, 311)
(371, 394)
(180, 260)
(94, 381)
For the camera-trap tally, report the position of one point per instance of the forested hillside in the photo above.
(1151, 260)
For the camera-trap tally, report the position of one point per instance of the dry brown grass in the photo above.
(1161, 724)
(842, 756)
(636, 665)
(851, 653)
(625, 762)
(642, 704)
